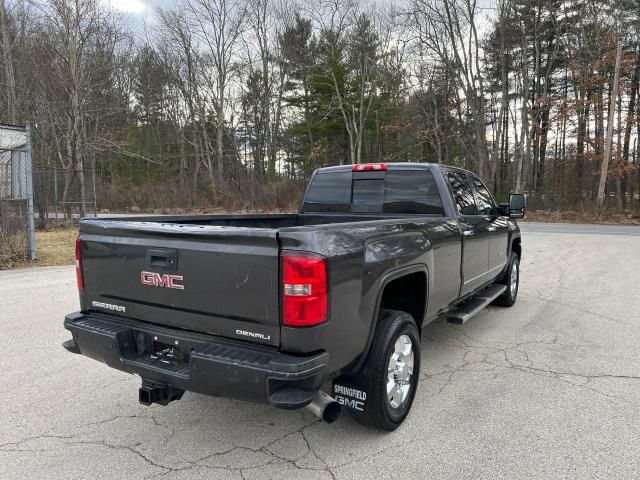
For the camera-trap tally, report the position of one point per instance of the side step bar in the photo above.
(472, 307)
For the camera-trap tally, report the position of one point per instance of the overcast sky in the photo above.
(139, 7)
(140, 13)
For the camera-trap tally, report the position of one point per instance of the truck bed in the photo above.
(224, 268)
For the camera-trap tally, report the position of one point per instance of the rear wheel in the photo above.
(395, 367)
(511, 279)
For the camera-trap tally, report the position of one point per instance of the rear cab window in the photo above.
(411, 191)
(329, 192)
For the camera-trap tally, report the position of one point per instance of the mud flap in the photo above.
(352, 391)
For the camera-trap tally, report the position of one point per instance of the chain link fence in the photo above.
(17, 236)
(64, 194)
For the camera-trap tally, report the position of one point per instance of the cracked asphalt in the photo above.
(547, 389)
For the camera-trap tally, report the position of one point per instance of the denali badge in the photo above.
(109, 306)
(165, 280)
(253, 335)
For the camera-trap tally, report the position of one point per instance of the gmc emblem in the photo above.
(165, 280)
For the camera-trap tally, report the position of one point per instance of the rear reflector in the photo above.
(370, 167)
(304, 289)
(79, 279)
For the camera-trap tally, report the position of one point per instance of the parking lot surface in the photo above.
(547, 389)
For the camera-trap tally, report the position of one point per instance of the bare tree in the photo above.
(609, 139)
(80, 41)
(183, 61)
(217, 24)
(349, 40)
(6, 45)
(448, 29)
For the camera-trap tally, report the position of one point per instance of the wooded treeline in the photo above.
(233, 103)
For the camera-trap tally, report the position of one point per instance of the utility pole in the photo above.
(612, 112)
(29, 175)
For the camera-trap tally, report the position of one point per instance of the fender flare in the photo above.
(513, 237)
(386, 279)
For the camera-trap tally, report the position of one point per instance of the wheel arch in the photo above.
(516, 247)
(391, 281)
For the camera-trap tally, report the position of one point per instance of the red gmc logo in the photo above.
(165, 280)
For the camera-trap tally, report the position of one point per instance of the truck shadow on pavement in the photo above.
(201, 433)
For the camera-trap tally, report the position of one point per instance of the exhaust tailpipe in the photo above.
(152, 392)
(324, 407)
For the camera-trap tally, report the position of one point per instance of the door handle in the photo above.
(491, 229)
(467, 233)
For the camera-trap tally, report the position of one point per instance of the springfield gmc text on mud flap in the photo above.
(267, 308)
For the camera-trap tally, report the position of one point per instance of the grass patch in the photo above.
(55, 247)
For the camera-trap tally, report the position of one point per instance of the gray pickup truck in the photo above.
(279, 308)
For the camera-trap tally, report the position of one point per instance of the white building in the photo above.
(13, 179)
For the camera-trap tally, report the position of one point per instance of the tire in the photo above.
(393, 327)
(511, 279)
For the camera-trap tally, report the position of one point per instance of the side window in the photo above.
(462, 193)
(485, 200)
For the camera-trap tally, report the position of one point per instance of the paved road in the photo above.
(547, 389)
(576, 228)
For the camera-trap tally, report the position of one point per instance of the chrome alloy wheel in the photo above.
(513, 281)
(400, 371)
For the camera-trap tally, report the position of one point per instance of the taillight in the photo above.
(79, 279)
(304, 289)
(370, 167)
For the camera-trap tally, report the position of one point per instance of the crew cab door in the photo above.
(495, 225)
(475, 236)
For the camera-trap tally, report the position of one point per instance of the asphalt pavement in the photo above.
(578, 228)
(549, 388)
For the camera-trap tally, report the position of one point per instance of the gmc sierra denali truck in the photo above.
(278, 308)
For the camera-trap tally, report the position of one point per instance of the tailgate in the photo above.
(211, 279)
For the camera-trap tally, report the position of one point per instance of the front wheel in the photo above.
(512, 280)
(395, 367)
